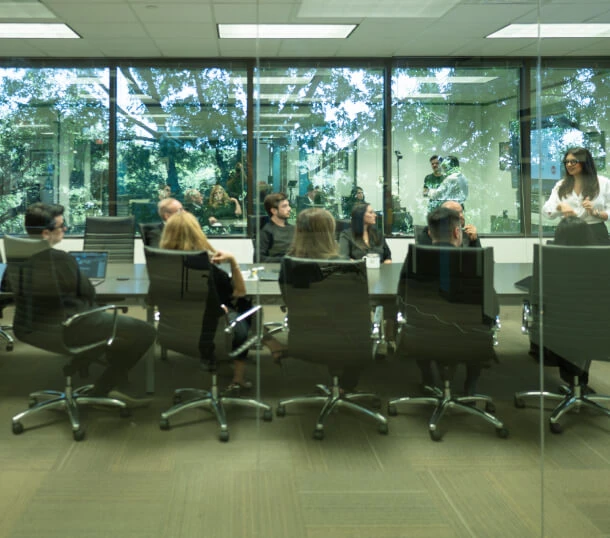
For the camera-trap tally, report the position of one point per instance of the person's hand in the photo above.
(212, 220)
(223, 257)
(566, 210)
(471, 231)
(588, 205)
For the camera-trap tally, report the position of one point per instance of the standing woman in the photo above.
(581, 193)
(363, 237)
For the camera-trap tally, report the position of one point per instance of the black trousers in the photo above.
(133, 339)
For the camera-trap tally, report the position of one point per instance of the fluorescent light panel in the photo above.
(515, 31)
(285, 31)
(14, 30)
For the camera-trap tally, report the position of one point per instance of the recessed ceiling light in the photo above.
(14, 30)
(514, 31)
(285, 31)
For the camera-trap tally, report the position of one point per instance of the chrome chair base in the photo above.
(70, 400)
(572, 398)
(443, 400)
(332, 398)
(211, 400)
(6, 337)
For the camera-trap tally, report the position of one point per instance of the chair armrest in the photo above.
(107, 342)
(526, 317)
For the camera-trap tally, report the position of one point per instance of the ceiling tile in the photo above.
(100, 12)
(109, 31)
(127, 48)
(168, 13)
(180, 31)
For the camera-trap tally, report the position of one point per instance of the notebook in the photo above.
(92, 265)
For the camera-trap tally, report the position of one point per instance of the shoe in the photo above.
(130, 401)
(236, 386)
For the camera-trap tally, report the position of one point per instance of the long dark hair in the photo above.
(590, 187)
(358, 225)
(573, 231)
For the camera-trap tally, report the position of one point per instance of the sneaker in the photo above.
(130, 401)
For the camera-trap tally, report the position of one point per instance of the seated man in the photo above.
(133, 337)
(445, 230)
(276, 236)
(166, 208)
(470, 236)
(193, 202)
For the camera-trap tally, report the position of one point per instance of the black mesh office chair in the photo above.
(329, 322)
(40, 321)
(179, 288)
(449, 311)
(255, 224)
(151, 233)
(112, 234)
(575, 295)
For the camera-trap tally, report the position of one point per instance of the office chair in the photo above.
(255, 224)
(329, 322)
(6, 301)
(40, 321)
(575, 294)
(151, 233)
(448, 316)
(180, 289)
(112, 234)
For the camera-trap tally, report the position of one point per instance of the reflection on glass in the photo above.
(452, 140)
(53, 143)
(320, 135)
(181, 132)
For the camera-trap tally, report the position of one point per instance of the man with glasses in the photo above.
(133, 337)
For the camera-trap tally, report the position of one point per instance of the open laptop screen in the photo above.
(92, 264)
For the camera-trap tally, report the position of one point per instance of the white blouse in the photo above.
(601, 202)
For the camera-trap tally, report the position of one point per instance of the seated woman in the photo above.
(314, 238)
(363, 238)
(571, 231)
(221, 206)
(182, 232)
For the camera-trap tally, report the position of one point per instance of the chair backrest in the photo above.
(255, 223)
(112, 234)
(151, 233)
(181, 287)
(420, 234)
(449, 302)
(39, 307)
(329, 314)
(574, 296)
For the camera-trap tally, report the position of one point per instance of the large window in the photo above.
(53, 142)
(182, 132)
(320, 134)
(467, 113)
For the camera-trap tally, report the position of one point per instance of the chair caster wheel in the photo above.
(164, 424)
(435, 435)
(223, 436)
(383, 429)
(519, 403)
(10, 347)
(392, 411)
(280, 411)
(267, 415)
(79, 434)
(490, 407)
(17, 428)
(125, 412)
(502, 433)
(556, 427)
(318, 435)
(32, 402)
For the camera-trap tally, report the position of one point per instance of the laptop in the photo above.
(92, 264)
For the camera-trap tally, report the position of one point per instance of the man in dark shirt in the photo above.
(445, 230)
(276, 236)
(133, 337)
(470, 236)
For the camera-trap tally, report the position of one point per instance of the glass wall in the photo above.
(181, 132)
(320, 135)
(471, 114)
(53, 142)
